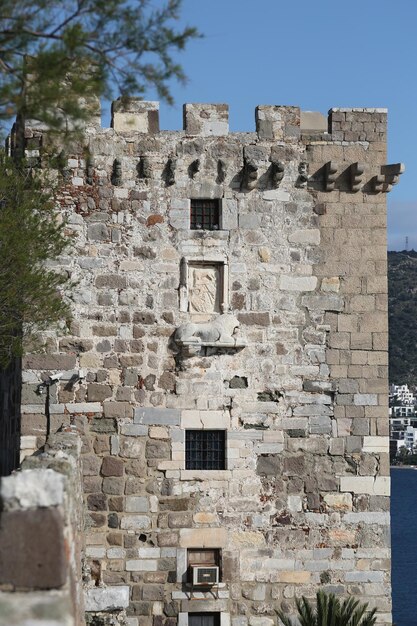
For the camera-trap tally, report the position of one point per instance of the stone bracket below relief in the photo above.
(209, 348)
(235, 344)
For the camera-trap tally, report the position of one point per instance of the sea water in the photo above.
(404, 545)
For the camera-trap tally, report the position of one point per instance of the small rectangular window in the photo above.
(205, 449)
(204, 619)
(205, 215)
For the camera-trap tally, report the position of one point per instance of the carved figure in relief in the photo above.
(221, 330)
(203, 292)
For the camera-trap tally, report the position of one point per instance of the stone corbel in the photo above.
(276, 172)
(144, 168)
(63, 168)
(356, 175)
(183, 287)
(194, 168)
(221, 170)
(250, 174)
(116, 177)
(330, 174)
(89, 169)
(302, 179)
(389, 176)
(170, 168)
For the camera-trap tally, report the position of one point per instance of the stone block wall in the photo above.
(287, 355)
(41, 540)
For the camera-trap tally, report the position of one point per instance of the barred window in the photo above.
(204, 619)
(205, 449)
(205, 215)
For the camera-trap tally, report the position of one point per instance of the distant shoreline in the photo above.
(403, 467)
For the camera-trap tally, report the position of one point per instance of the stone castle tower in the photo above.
(226, 363)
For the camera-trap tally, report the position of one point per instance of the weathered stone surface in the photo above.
(254, 319)
(112, 466)
(97, 393)
(32, 549)
(49, 362)
(180, 520)
(269, 465)
(157, 450)
(157, 416)
(103, 425)
(32, 488)
(106, 598)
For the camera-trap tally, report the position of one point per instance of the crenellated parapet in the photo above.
(283, 133)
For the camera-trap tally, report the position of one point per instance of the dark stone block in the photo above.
(174, 504)
(103, 425)
(32, 549)
(294, 466)
(167, 564)
(140, 608)
(113, 520)
(144, 251)
(115, 539)
(112, 466)
(96, 520)
(238, 301)
(171, 609)
(49, 362)
(167, 381)
(97, 502)
(158, 450)
(144, 317)
(254, 319)
(269, 396)
(230, 568)
(167, 539)
(113, 486)
(136, 593)
(97, 393)
(153, 592)
(238, 382)
(180, 520)
(313, 501)
(296, 433)
(269, 465)
(116, 503)
(111, 281)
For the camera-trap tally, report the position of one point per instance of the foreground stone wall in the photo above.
(41, 542)
(298, 263)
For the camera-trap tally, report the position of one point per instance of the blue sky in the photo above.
(316, 55)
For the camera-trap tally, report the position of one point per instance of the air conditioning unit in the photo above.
(205, 575)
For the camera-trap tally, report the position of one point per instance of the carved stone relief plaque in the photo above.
(204, 288)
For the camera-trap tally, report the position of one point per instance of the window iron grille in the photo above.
(205, 449)
(205, 215)
(204, 619)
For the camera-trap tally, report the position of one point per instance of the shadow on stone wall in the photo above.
(10, 392)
